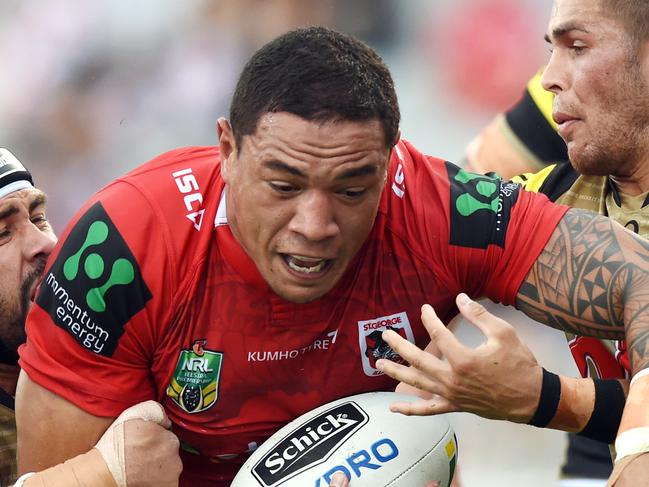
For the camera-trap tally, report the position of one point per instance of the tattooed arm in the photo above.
(592, 278)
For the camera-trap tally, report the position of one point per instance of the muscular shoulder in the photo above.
(432, 200)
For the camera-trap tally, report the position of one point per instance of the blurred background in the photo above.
(89, 90)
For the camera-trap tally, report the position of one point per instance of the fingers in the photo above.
(404, 388)
(477, 314)
(443, 338)
(411, 353)
(339, 479)
(435, 405)
(147, 411)
(422, 376)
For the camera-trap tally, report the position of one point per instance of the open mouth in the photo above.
(310, 267)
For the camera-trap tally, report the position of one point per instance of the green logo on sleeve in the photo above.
(122, 271)
(480, 208)
(194, 385)
(95, 286)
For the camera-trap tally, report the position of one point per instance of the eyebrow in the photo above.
(368, 169)
(283, 167)
(37, 200)
(562, 30)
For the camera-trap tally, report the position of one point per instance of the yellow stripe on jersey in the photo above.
(542, 98)
(533, 181)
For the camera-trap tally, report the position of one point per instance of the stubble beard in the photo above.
(623, 142)
(14, 314)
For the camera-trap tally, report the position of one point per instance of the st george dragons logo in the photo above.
(372, 345)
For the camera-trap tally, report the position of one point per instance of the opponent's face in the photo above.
(26, 240)
(302, 197)
(599, 78)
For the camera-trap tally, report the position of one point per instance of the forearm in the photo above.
(86, 469)
(576, 404)
(592, 279)
(40, 415)
(592, 408)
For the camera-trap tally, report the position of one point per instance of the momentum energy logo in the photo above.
(480, 208)
(94, 287)
(310, 444)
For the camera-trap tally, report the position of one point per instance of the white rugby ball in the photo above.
(361, 437)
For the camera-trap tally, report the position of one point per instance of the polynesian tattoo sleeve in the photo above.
(592, 278)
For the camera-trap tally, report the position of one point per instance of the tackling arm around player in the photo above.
(136, 449)
(604, 119)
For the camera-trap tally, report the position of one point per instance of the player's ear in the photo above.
(227, 146)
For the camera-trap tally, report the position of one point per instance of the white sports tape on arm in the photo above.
(111, 444)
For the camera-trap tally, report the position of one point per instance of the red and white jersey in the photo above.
(149, 296)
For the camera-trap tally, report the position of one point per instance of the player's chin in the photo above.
(304, 291)
(301, 294)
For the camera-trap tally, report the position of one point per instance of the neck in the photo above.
(636, 181)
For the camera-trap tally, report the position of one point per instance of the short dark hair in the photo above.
(634, 15)
(320, 75)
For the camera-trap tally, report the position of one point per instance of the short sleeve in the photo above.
(479, 233)
(496, 233)
(92, 331)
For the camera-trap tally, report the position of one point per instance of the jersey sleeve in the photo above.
(106, 292)
(480, 234)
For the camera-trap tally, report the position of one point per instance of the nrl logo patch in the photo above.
(195, 383)
(372, 345)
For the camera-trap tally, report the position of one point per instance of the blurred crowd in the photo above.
(90, 89)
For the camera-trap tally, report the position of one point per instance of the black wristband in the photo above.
(607, 411)
(549, 400)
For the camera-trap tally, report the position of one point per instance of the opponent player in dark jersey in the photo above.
(524, 140)
(241, 285)
(605, 124)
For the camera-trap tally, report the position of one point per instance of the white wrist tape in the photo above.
(21, 480)
(635, 440)
(111, 445)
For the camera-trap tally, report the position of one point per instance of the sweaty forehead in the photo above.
(289, 133)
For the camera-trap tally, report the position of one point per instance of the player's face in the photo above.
(302, 197)
(600, 81)
(26, 240)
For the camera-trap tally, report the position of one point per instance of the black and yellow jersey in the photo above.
(562, 184)
(530, 122)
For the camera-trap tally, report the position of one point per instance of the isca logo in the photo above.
(480, 208)
(95, 285)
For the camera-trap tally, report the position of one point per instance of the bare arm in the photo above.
(51, 429)
(592, 278)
